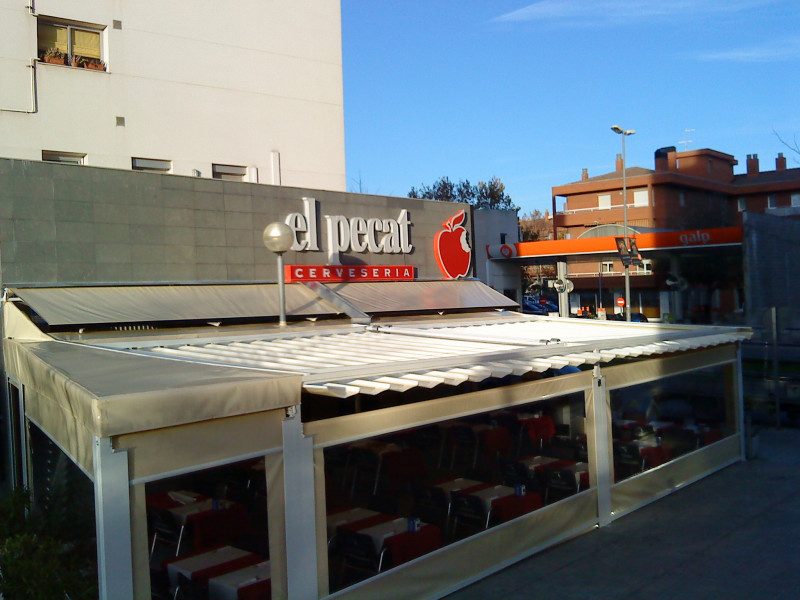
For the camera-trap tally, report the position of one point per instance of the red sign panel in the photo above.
(338, 273)
(451, 248)
(620, 301)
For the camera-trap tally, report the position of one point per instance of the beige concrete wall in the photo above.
(76, 224)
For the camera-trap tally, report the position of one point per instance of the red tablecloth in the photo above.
(496, 440)
(540, 429)
(511, 507)
(654, 456)
(213, 527)
(409, 545)
(227, 567)
(356, 526)
(258, 590)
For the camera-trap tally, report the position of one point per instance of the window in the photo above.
(641, 198)
(228, 172)
(795, 199)
(72, 158)
(607, 267)
(73, 44)
(151, 165)
(741, 203)
(682, 198)
(604, 201)
(646, 268)
(772, 202)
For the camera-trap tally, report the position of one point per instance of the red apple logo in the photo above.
(452, 250)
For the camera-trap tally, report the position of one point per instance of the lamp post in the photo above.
(624, 133)
(278, 238)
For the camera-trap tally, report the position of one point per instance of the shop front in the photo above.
(398, 439)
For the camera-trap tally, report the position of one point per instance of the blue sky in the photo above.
(527, 92)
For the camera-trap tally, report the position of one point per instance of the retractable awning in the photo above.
(93, 305)
(399, 357)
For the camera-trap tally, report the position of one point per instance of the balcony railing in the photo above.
(575, 211)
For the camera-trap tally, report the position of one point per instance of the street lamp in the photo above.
(278, 238)
(624, 133)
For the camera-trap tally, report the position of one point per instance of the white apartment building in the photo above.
(244, 90)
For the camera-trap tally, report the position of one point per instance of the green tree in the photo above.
(36, 562)
(536, 226)
(491, 194)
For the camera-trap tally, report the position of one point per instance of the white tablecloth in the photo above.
(488, 494)
(380, 532)
(537, 461)
(224, 587)
(455, 485)
(181, 513)
(191, 564)
(347, 516)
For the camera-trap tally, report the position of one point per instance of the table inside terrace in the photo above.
(230, 586)
(202, 566)
(214, 521)
(391, 532)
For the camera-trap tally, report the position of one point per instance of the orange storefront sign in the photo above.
(664, 240)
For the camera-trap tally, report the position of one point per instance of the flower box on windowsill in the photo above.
(95, 66)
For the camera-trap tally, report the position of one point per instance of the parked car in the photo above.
(636, 317)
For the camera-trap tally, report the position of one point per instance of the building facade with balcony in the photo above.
(688, 191)
(251, 92)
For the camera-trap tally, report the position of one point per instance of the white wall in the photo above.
(197, 83)
(487, 226)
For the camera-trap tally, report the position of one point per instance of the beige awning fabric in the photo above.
(382, 297)
(77, 306)
(17, 325)
(101, 392)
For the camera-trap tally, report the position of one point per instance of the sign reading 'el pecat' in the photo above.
(337, 273)
(374, 235)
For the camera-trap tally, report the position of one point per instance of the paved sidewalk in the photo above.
(735, 534)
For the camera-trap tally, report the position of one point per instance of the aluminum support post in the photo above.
(112, 521)
(300, 509)
(563, 297)
(600, 409)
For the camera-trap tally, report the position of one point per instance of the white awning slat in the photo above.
(396, 384)
(449, 377)
(475, 374)
(336, 390)
(540, 365)
(426, 381)
(369, 387)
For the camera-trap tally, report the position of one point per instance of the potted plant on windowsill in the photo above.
(95, 64)
(77, 61)
(54, 56)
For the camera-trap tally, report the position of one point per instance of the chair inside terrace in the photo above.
(189, 589)
(628, 461)
(359, 558)
(470, 511)
(464, 440)
(560, 484)
(432, 505)
(516, 473)
(165, 531)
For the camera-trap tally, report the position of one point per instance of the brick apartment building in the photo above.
(686, 191)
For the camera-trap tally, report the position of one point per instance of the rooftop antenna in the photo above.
(686, 142)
